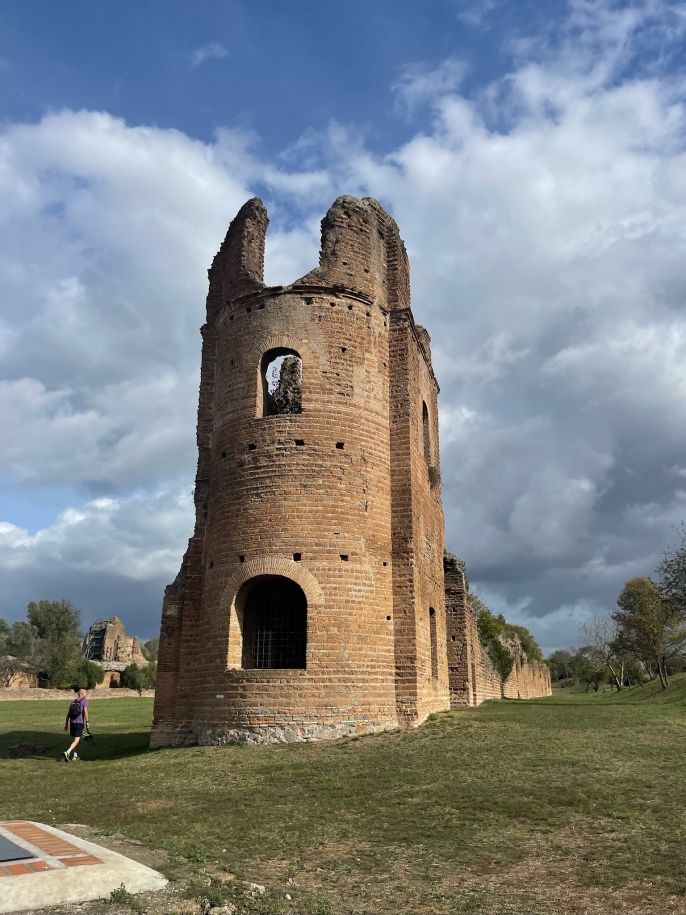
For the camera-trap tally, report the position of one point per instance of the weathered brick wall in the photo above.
(337, 498)
(473, 678)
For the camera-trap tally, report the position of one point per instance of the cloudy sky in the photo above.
(533, 154)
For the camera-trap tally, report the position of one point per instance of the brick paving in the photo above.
(44, 851)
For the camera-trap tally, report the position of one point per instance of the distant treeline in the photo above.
(47, 646)
(642, 638)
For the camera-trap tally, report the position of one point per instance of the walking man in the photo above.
(77, 719)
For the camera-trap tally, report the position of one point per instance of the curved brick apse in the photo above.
(311, 600)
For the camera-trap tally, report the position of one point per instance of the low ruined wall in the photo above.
(473, 677)
(67, 694)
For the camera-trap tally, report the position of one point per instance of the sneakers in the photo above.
(66, 756)
(74, 755)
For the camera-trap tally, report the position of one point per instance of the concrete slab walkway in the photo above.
(59, 867)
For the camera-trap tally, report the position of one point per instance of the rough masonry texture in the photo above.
(472, 676)
(107, 643)
(310, 602)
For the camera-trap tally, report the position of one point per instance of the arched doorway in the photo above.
(274, 624)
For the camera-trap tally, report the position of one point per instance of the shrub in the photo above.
(85, 674)
(133, 677)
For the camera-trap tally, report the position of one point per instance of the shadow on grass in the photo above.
(40, 744)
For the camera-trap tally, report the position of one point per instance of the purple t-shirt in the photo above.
(79, 718)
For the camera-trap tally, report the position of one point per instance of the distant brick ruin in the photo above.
(311, 601)
(107, 643)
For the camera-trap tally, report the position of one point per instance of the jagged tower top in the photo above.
(361, 252)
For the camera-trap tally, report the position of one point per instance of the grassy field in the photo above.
(573, 804)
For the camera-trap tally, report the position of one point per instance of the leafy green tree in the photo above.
(588, 669)
(54, 619)
(560, 665)
(133, 677)
(57, 625)
(651, 625)
(150, 674)
(151, 649)
(21, 640)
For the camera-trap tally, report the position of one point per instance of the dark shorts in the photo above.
(75, 730)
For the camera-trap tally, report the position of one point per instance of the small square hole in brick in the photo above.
(385, 563)
(248, 309)
(344, 349)
(300, 442)
(252, 446)
(344, 557)
(223, 454)
(241, 558)
(212, 564)
(340, 445)
(388, 618)
(297, 557)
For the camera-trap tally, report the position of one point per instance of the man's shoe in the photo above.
(66, 756)
(74, 755)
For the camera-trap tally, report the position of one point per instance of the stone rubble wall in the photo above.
(473, 677)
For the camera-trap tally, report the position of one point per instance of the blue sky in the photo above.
(533, 154)
(279, 69)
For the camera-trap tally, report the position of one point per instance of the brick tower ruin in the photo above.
(310, 602)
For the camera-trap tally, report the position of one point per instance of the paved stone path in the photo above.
(50, 873)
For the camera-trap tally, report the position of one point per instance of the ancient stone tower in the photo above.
(310, 602)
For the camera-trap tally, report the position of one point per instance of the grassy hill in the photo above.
(572, 804)
(650, 692)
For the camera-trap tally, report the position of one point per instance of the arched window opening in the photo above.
(426, 434)
(281, 372)
(274, 625)
(434, 643)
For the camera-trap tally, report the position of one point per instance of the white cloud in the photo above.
(546, 223)
(419, 84)
(213, 50)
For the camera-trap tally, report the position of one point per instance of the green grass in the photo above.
(510, 808)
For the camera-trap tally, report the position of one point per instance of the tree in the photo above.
(588, 668)
(133, 677)
(601, 634)
(17, 651)
(54, 619)
(651, 625)
(672, 573)
(4, 631)
(151, 649)
(57, 626)
(85, 674)
(560, 664)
